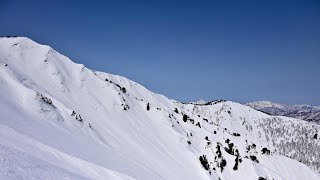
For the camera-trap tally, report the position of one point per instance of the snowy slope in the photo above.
(304, 112)
(77, 123)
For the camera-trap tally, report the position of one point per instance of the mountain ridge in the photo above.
(96, 126)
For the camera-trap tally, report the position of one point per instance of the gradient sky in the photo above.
(187, 50)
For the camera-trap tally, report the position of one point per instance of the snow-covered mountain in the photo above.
(60, 120)
(304, 112)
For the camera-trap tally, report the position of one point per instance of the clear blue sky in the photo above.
(187, 50)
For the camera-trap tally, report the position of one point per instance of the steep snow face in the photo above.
(81, 124)
(304, 112)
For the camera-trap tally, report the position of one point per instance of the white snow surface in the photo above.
(60, 120)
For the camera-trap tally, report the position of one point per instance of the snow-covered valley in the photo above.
(61, 120)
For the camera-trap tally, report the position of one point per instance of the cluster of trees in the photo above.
(77, 116)
(254, 158)
(122, 89)
(221, 162)
(208, 141)
(44, 99)
(265, 151)
(294, 139)
(204, 161)
(232, 150)
(251, 147)
(185, 118)
(235, 134)
(126, 107)
(262, 178)
(237, 160)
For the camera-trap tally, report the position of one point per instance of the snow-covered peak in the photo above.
(78, 123)
(265, 104)
(201, 101)
(9, 43)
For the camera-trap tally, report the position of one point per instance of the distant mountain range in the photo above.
(304, 112)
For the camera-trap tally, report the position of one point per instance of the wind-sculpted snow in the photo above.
(77, 123)
(19, 165)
